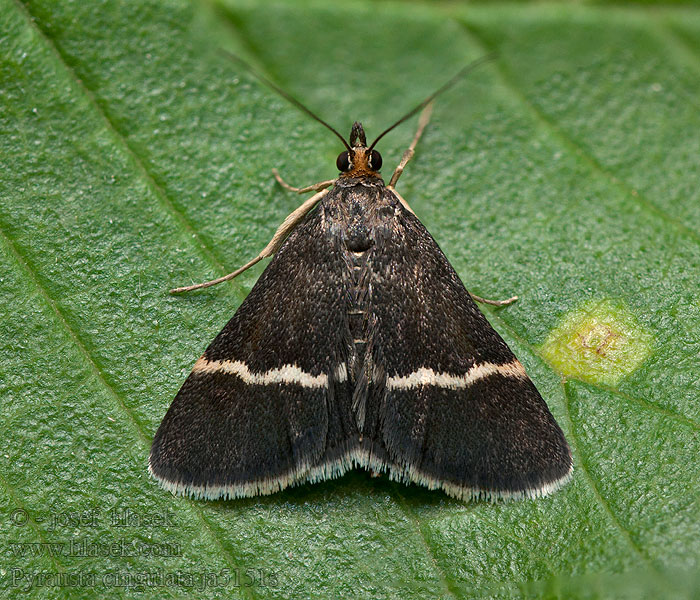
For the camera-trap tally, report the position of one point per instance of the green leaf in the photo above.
(135, 157)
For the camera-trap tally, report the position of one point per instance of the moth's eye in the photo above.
(375, 160)
(343, 161)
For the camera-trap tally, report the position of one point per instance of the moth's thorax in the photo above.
(357, 211)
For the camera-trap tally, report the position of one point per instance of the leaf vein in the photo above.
(189, 232)
(572, 147)
(32, 275)
(573, 438)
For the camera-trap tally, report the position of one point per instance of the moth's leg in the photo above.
(411, 150)
(316, 187)
(494, 302)
(281, 234)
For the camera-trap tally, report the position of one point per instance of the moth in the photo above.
(358, 346)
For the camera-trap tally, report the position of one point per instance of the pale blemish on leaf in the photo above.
(601, 342)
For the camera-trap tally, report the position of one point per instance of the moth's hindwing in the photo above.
(265, 401)
(458, 412)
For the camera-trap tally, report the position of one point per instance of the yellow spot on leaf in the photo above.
(601, 342)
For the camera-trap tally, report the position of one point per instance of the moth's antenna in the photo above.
(470, 67)
(284, 94)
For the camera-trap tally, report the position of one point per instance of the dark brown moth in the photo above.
(359, 346)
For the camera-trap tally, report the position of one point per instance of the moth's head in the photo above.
(359, 161)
